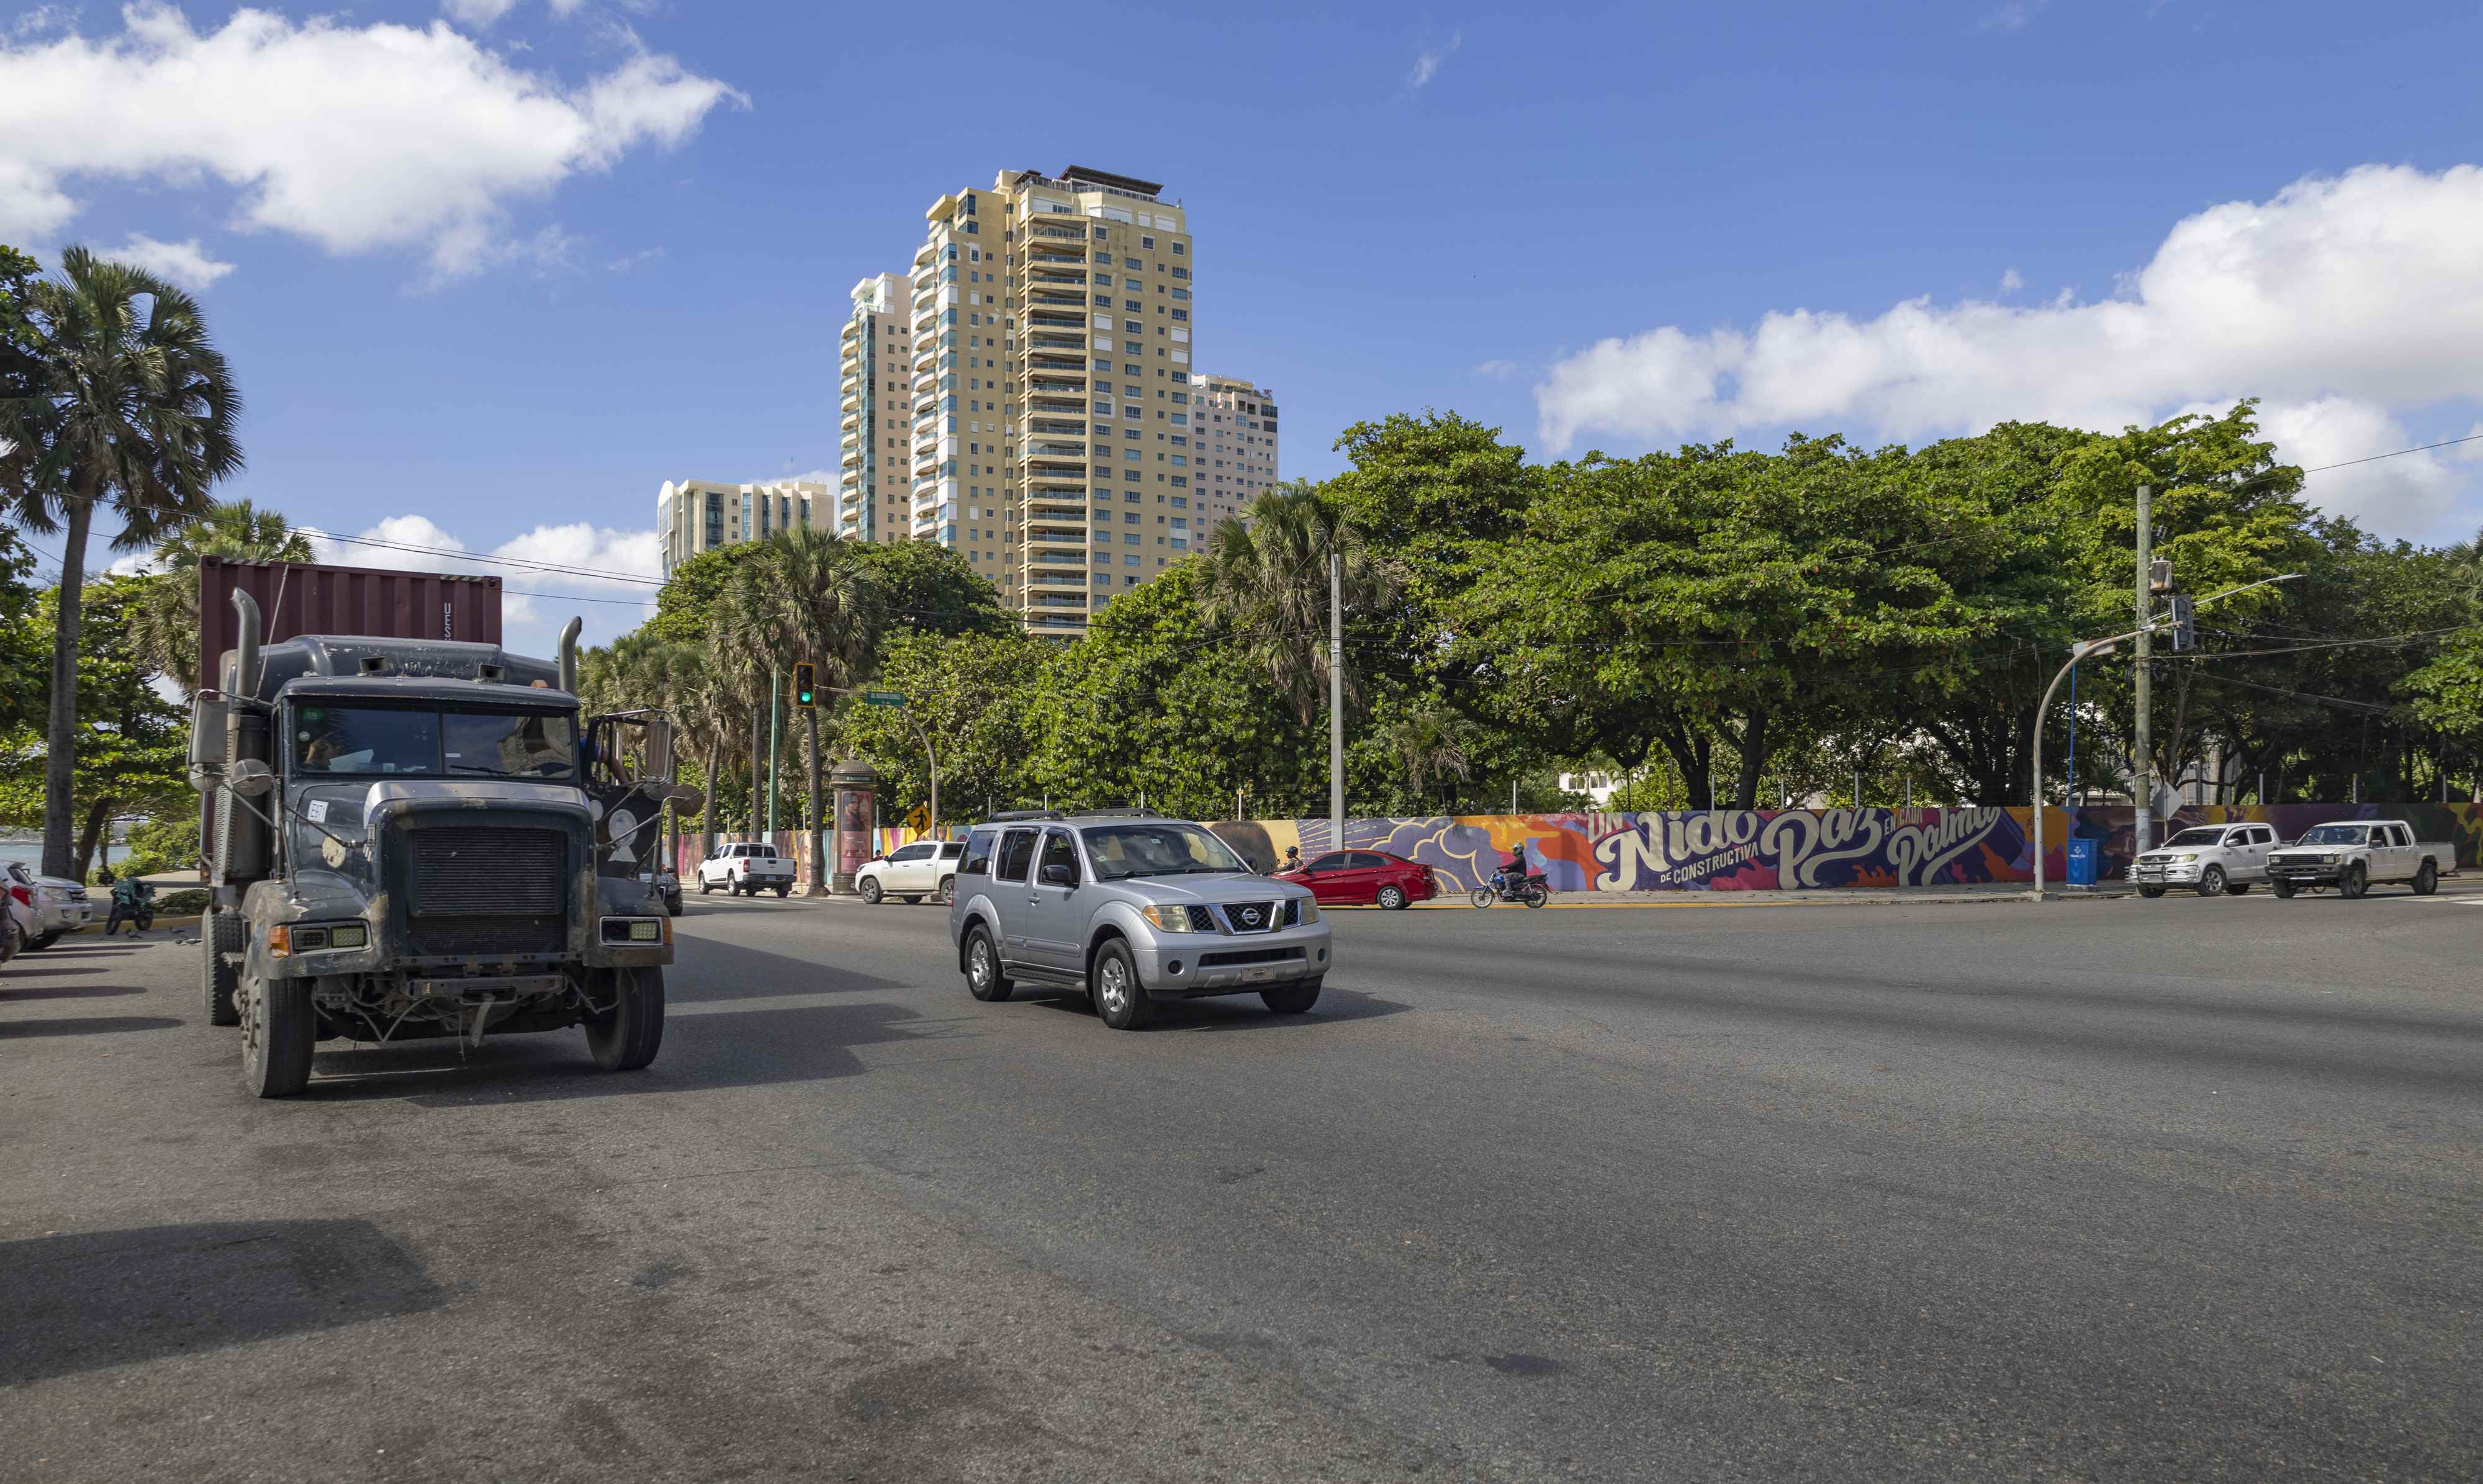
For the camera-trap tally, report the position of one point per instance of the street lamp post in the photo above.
(2087, 649)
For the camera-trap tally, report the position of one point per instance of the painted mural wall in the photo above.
(1745, 850)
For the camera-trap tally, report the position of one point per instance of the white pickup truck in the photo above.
(2210, 859)
(745, 870)
(2353, 855)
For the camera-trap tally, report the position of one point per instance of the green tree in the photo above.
(1265, 580)
(132, 745)
(974, 695)
(124, 403)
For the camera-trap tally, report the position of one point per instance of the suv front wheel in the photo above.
(983, 977)
(1113, 983)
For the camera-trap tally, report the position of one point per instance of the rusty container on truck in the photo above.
(308, 597)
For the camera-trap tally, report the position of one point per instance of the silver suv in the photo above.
(1131, 907)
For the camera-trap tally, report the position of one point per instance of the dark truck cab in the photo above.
(417, 838)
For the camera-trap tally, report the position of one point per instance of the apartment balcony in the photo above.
(1063, 386)
(851, 386)
(1053, 319)
(851, 461)
(1042, 300)
(1052, 229)
(1054, 425)
(1038, 361)
(1040, 343)
(1056, 537)
(1052, 452)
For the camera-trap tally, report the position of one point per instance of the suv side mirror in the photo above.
(1058, 875)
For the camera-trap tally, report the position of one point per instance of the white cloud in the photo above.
(2415, 492)
(478, 13)
(1427, 59)
(417, 544)
(2015, 15)
(2012, 281)
(2359, 291)
(356, 138)
(1495, 368)
(185, 263)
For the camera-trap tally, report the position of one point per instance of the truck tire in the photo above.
(221, 933)
(2353, 881)
(870, 892)
(279, 1030)
(2151, 892)
(948, 889)
(1113, 983)
(2426, 879)
(627, 1037)
(2283, 887)
(705, 885)
(2211, 880)
(1293, 999)
(784, 889)
(2238, 888)
(986, 979)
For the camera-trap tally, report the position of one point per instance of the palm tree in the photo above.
(165, 625)
(800, 598)
(128, 403)
(1431, 741)
(1266, 579)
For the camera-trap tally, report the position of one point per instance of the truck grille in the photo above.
(480, 890)
(1253, 916)
(478, 872)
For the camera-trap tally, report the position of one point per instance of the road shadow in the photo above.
(87, 1026)
(1230, 1012)
(12, 994)
(19, 969)
(78, 1303)
(709, 971)
(717, 1048)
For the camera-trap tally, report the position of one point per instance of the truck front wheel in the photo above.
(626, 1036)
(221, 933)
(2283, 887)
(2352, 882)
(278, 1031)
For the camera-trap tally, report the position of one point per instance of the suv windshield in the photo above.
(396, 740)
(1156, 849)
(2197, 837)
(2333, 835)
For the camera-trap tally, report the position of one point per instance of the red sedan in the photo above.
(1353, 877)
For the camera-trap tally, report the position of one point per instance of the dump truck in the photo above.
(413, 837)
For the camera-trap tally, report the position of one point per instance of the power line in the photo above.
(2395, 452)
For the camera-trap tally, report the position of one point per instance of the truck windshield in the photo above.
(392, 741)
(2191, 839)
(2332, 834)
(1122, 850)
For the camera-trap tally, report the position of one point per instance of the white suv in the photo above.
(923, 869)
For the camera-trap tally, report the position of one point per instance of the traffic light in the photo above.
(2185, 626)
(806, 684)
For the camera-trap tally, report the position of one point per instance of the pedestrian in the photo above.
(127, 895)
(1292, 858)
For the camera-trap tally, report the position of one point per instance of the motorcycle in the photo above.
(1533, 890)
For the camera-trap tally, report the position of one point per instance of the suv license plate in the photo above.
(1257, 975)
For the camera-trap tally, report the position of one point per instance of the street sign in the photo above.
(883, 698)
(917, 819)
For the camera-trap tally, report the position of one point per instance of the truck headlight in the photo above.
(1170, 918)
(2185, 859)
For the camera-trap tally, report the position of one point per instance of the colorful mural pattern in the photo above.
(1747, 850)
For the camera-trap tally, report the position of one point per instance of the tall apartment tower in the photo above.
(1053, 440)
(873, 438)
(700, 514)
(1234, 427)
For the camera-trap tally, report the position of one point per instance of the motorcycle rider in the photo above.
(1515, 871)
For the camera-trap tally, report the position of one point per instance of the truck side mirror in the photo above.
(687, 800)
(659, 750)
(250, 778)
(210, 715)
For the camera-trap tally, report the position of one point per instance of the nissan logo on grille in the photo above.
(1249, 916)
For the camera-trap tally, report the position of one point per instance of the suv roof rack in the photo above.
(1006, 816)
(1128, 813)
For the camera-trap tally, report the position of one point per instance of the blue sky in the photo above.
(504, 266)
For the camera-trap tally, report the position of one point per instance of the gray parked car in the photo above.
(1131, 909)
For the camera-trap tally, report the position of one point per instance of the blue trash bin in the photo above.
(2082, 862)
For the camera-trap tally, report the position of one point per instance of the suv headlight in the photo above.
(1310, 912)
(1173, 918)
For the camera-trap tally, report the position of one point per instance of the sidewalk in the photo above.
(1819, 897)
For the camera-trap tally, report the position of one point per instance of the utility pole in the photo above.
(1335, 698)
(775, 698)
(2143, 788)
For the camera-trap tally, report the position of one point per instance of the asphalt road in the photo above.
(2114, 1190)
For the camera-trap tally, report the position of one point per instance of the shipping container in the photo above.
(306, 598)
